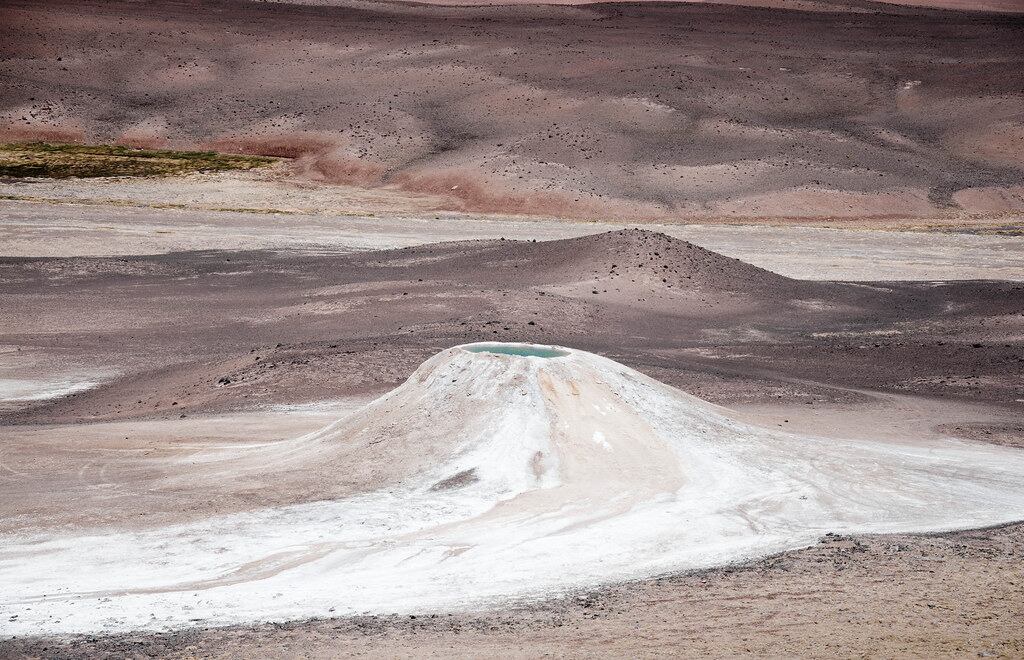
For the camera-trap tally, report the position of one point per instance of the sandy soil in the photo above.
(1010, 6)
(183, 340)
(280, 191)
(297, 325)
(940, 596)
(653, 112)
(98, 228)
(162, 336)
(537, 470)
(294, 327)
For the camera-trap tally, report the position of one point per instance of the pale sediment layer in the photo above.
(519, 472)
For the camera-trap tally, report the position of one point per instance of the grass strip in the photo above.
(62, 161)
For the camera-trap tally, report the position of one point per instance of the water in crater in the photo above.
(522, 350)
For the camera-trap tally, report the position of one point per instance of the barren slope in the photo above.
(640, 111)
(1009, 6)
(298, 327)
(176, 337)
(498, 472)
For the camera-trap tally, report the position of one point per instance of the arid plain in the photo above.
(790, 234)
(634, 111)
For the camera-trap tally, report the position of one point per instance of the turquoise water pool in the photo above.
(523, 350)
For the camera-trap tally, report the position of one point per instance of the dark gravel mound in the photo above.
(636, 259)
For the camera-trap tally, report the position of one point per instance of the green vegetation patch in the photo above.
(61, 161)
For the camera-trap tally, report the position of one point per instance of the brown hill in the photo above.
(637, 111)
(633, 258)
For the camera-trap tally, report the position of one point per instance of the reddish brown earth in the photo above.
(640, 111)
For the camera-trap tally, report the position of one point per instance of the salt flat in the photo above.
(42, 229)
(530, 477)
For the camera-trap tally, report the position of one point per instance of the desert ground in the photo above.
(650, 111)
(177, 370)
(619, 330)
